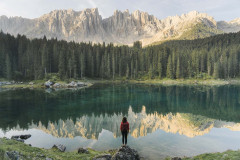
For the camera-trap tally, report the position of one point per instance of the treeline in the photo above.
(24, 59)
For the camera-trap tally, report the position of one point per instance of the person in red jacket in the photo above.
(124, 127)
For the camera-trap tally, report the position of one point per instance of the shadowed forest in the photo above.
(212, 57)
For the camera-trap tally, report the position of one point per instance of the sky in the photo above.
(220, 9)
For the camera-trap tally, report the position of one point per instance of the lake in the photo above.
(164, 120)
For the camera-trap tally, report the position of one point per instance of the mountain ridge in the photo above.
(122, 27)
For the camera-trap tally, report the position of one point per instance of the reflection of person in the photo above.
(124, 127)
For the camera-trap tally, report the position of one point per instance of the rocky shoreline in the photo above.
(76, 84)
(16, 149)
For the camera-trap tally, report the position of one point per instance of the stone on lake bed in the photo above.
(60, 147)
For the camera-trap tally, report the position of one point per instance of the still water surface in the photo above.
(164, 120)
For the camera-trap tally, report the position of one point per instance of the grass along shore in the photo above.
(208, 82)
(27, 152)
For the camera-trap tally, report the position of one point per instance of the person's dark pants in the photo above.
(124, 136)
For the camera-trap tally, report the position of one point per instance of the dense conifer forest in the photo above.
(212, 57)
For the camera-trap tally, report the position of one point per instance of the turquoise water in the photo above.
(164, 120)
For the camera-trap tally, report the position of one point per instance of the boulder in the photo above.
(48, 84)
(57, 85)
(81, 84)
(25, 136)
(30, 83)
(72, 84)
(8, 83)
(21, 138)
(76, 84)
(12, 155)
(60, 147)
(82, 150)
(103, 157)
(126, 153)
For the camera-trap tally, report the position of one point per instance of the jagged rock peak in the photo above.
(122, 27)
(236, 21)
(72, 12)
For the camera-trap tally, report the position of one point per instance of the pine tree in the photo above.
(216, 72)
(179, 71)
(127, 72)
(170, 68)
(8, 68)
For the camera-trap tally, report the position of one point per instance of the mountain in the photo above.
(140, 125)
(120, 28)
(232, 26)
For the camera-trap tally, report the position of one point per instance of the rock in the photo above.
(103, 157)
(21, 137)
(17, 138)
(25, 136)
(176, 158)
(82, 150)
(48, 84)
(76, 84)
(72, 84)
(60, 147)
(126, 153)
(56, 85)
(8, 83)
(30, 83)
(12, 155)
(81, 84)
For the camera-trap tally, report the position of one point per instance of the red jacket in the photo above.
(124, 126)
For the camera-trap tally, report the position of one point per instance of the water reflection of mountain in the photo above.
(24, 107)
(140, 125)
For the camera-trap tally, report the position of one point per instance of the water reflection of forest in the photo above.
(25, 107)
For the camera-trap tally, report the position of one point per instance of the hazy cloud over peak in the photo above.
(219, 9)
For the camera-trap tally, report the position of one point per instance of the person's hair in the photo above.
(124, 120)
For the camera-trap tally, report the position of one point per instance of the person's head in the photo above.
(124, 120)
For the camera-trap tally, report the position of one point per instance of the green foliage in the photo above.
(24, 59)
(30, 153)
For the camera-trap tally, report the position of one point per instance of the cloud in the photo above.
(220, 9)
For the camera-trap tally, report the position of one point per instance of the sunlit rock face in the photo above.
(120, 28)
(140, 125)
